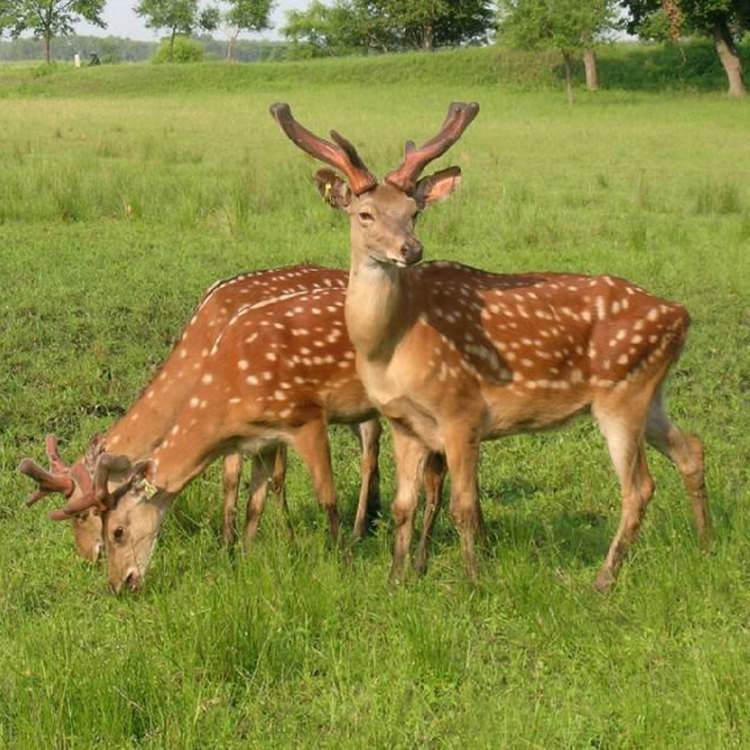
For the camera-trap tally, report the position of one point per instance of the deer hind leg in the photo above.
(623, 431)
(260, 479)
(686, 452)
(368, 507)
(411, 455)
(434, 477)
(462, 457)
(231, 477)
(278, 484)
(311, 443)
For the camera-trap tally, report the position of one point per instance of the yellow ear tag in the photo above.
(149, 490)
(328, 197)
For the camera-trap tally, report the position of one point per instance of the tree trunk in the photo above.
(589, 63)
(47, 41)
(729, 58)
(230, 46)
(568, 63)
(428, 36)
(171, 45)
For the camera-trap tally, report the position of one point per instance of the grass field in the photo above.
(119, 205)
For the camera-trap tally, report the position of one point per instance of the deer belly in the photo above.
(513, 409)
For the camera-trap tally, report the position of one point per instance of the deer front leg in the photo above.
(368, 507)
(231, 477)
(434, 477)
(311, 443)
(411, 455)
(278, 483)
(462, 455)
(259, 481)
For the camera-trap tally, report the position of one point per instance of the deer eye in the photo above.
(366, 216)
(118, 533)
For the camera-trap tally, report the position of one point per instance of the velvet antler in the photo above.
(342, 155)
(459, 117)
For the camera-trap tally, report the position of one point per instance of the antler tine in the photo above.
(47, 481)
(458, 118)
(55, 461)
(341, 156)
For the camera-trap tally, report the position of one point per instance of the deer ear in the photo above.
(334, 190)
(437, 187)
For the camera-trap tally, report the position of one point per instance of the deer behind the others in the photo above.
(452, 355)
(142, 428)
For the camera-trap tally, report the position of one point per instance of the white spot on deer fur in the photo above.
(600, 311)
(279, 395)
(267, 376)
(150, 394)
(615, 307)
(175, 429)
(207, 379)
(251, 380)
(204, 404)
(243, 364)
(134, 416)
(653, 314)
(271, 357)
(235, 401)
(586, 315)
(115, 440)
(636, 339)
(653, 338)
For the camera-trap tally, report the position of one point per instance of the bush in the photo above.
(185, 50)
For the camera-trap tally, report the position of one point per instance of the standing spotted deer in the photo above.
(452, 355)
(142, 428)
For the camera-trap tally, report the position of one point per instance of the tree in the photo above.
(49, 18)
(388, 25)
(569, 26)
(724, 21)
(247, 15)
(178, 17)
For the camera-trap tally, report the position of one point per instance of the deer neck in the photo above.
(377, 309)
(137, 432)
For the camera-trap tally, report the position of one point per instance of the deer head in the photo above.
(131, 525)
(382, 216)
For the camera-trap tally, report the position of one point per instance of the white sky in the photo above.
(122, 21)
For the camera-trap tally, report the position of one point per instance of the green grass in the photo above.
(117, 211)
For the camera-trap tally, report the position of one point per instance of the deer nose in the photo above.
(411, 252)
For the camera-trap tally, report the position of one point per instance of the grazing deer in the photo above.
(278, 373)
(142, 428)
(452, 355)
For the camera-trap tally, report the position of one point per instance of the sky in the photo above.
(122, 21)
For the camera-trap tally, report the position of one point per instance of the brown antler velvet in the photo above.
(56, 479)
(342, 155)
(459, 117)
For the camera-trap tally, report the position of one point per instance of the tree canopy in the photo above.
(349, 26)
(569, 26)
(246, 15)
(47, 19)
(723, 20)
(178, 17)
